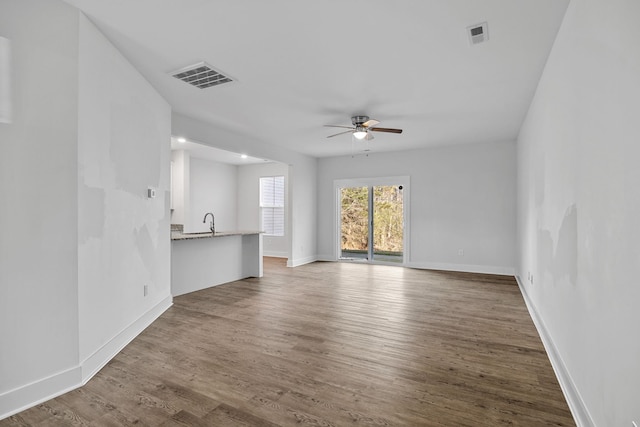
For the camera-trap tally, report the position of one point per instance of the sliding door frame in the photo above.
(404, 181)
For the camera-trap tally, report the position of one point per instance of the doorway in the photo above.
(371, 221)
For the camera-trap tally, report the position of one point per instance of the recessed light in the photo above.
(244, 156)
(182, 140)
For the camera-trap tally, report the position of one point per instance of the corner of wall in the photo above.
(25, 397)
(92, 365)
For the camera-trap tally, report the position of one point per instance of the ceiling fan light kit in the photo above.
(360, 132)
(362, 125)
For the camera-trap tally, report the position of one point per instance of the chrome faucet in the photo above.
(212, 227)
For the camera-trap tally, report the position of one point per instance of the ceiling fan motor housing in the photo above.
(359, 120)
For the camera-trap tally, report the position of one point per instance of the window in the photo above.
(272, 205)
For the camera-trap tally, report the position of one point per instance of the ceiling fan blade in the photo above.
(341, 133)
(389, 130)
(369, 123)
(337, 126)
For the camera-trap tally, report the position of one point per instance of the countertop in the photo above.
(178, 235)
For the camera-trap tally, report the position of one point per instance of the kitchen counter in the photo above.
(178, 235)
(202, 260)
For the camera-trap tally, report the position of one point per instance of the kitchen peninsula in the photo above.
(202, 260)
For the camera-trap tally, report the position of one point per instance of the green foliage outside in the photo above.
(387, 224)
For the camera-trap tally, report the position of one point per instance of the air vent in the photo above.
(478, 33)
(201, 76)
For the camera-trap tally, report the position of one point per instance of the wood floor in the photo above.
(328, 344)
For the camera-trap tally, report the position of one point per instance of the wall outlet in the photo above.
(461, 252)
(146, 290)
(151, 193)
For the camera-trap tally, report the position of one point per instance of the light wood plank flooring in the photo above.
(328, 344)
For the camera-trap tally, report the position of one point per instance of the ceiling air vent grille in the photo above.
(201, 76)
(478, 33)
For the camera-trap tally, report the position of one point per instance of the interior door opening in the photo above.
(372, 223)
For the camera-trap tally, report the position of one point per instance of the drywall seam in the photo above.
(572, 395)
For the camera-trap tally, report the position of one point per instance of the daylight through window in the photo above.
(272, 205)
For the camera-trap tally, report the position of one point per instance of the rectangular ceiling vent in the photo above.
(201, 75)
(478, 33)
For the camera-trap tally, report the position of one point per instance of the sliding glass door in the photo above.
(372, 223)
(388, 223)
(354, 223)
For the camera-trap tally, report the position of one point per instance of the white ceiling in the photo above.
(300, 65)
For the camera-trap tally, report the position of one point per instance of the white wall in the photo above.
(462, 197)
(79, 237)
(303, 213)
(5, 80)
(249, 204)
(302, 178)
(213, 188)
(123, 236)
(578, 209)
(179, 189)
(38, 192)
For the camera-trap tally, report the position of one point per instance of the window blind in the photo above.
(272, 205)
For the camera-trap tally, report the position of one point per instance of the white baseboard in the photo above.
(572, 395)
(326, 258)
(483, 269)
(275, 254)
(301, 261)
(92, 364)
(27, 396)
(17, 400)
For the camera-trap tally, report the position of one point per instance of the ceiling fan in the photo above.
(362, 125)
